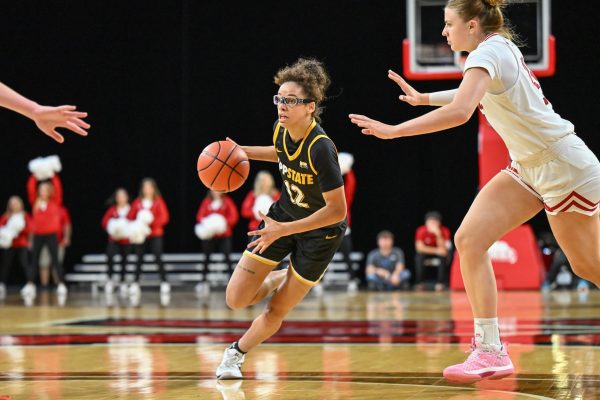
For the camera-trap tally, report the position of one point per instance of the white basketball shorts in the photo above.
(565, 177)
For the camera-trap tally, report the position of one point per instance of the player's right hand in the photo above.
(410, 96)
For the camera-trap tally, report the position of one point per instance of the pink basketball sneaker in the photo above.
(482, 363)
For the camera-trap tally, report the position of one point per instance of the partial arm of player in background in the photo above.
(259, 153)
(46, 118)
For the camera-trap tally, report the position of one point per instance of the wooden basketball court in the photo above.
(367, 346)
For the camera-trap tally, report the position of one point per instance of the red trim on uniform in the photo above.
(569, 197)
(573, 204)
(513, 170)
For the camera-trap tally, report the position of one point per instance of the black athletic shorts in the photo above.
(311, 251)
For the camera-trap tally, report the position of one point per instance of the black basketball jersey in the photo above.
(308, 169)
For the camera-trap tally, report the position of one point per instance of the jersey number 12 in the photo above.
(296, 195)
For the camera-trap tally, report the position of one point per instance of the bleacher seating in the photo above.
(186, 269)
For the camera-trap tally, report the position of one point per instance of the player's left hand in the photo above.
(272, 231)
(372, 127)
(48, 119)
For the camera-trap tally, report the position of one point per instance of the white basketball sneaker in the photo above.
(123, 290)
(165, 288)
(109, 287)
(202, 289)
(352, 286)
(28, 291)
(2, 291)
(231, 365)
(318, 290)
(61, 289)
(135, 290)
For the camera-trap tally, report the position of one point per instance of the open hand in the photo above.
(272, 231)
(48, 119)
(410, 96)
(373, 127)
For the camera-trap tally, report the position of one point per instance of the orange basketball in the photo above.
(223, 166)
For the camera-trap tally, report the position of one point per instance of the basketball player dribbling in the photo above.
(308, 220)
(552, 168)
(47, 119)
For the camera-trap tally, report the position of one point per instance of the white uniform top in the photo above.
(514, 104)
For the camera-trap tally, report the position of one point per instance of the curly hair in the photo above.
(312, 76)
(488, 12)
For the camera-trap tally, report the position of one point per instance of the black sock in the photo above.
(236, 346)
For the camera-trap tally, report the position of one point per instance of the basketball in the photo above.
(223, 166)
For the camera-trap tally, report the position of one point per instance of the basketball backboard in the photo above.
(426, 55)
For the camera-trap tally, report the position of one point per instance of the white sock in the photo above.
(487, 331)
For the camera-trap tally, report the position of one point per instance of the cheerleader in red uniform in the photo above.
(46, 169)
(149, 208)
(260, 199)
(115, 223)
(216, 218)
(14, 238)
(64, 241)
(45, 227)
(32, 188)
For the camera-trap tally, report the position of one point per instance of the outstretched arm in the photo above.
(469, 94)
(46, 118)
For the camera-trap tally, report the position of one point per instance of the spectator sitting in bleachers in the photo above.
(386, 265)
(432, 245)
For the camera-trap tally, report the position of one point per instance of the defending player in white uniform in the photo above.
(548, 158)
(552, 168)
